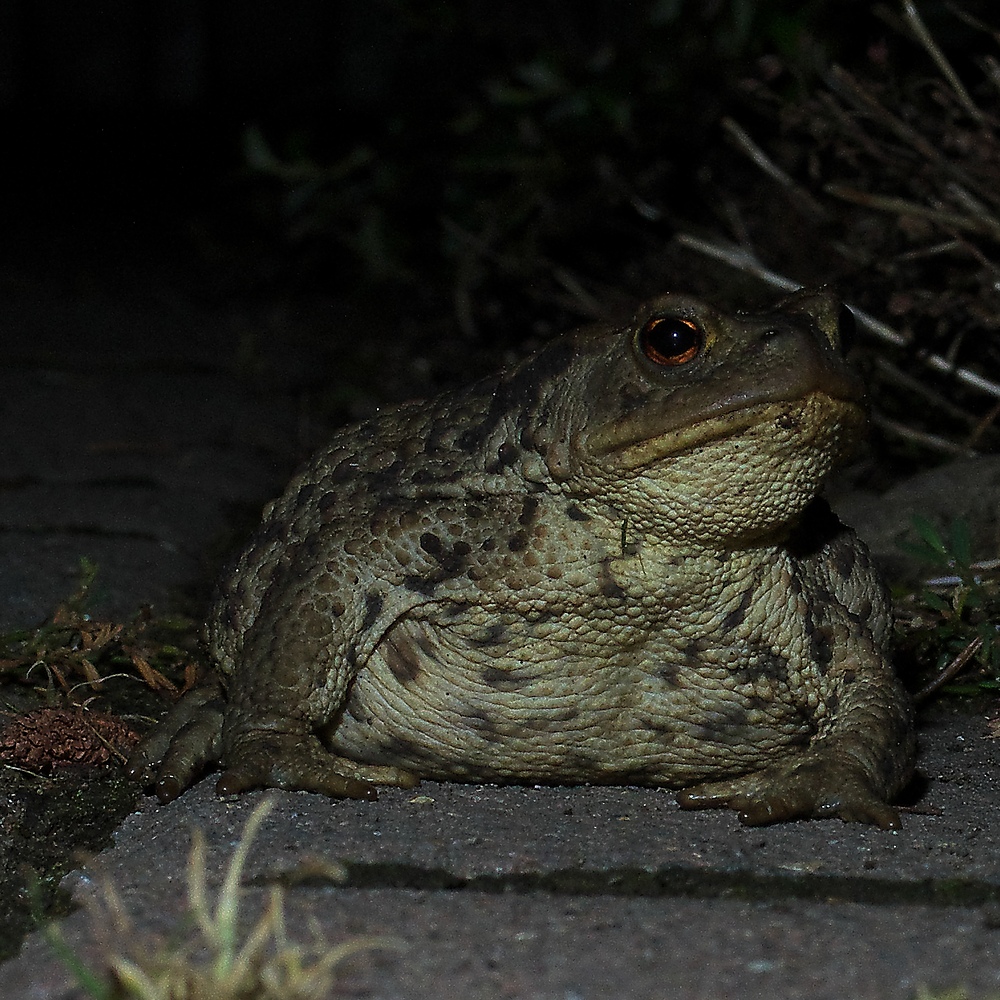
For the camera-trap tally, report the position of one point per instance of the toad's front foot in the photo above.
(808, 785)
(179, 748)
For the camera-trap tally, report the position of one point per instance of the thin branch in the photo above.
(923, 438)
(986, 226)
(963, 375)
(846, 86)
(894, 375)
(927, 41)
(740, 258)
(953, 668)
(586, 304)
(741, 139)
(743, 260)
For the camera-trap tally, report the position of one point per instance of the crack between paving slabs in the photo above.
(664, 883)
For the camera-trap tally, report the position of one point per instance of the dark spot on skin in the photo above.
(520, 391)
(357, 713)
(660, 725)
(669, 673)
(575, 514)
(505, 680)
(528, 510)
(342, 472)
(820, 645)
(507, 454)
(398, 749)
(313, 546)
(493, 635)
(427, 647)
(373, 608)
(738, 615)
(763, 662)
(489, 544)
(566, 714)
(518, 542)
(402, 660)
(727, 723)
(451, 562)
(608, 585)
(633, 398)
(430, 543)
(844, 559)
(481, 722)
(422, 477)
(474, 513)
(693, 652)
(420, 585)
(305, 495)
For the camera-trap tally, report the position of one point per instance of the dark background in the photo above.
(474, 176)
(128, 120)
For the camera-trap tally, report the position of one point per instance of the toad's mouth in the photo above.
(789, 423)
(798, 383)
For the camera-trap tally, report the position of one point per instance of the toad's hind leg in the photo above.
(256, 751)
(290, 679)
(851, 772)
(259, 755)
(811, 784)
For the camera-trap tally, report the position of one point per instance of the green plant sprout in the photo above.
(262, 964)
(960, 607)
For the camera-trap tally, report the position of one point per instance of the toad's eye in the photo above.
(669, 341)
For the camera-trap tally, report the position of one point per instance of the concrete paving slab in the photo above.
(534, 947)
(558, 892)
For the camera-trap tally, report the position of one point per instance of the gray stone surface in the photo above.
(963, 489)
(590, 892)
(130, 443)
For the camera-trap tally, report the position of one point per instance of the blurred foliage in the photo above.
(522, 130)
(69, 659)
(959, 609)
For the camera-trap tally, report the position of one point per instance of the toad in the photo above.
(607, 564)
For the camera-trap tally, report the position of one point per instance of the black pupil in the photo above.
(671, 338)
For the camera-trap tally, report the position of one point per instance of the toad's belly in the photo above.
(569, 721)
